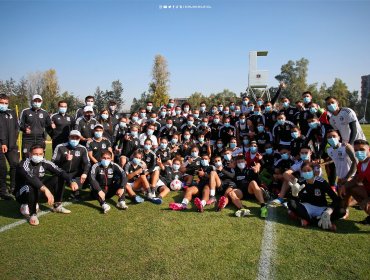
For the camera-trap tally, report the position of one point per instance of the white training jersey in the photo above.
(341, 122)
(341, 160)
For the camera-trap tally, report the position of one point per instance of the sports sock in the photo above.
(204, 203)
(212, 193)
(185, 201)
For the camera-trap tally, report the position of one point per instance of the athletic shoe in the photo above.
(177, 206)
(25, 211)
(150, 195)
(33, 220)
(304, 223)
(366, 221)
(211, 200)
(139, 199)
(121, 205)
(346, 216)
(266, 194)
(277, 201)
(105, 208)
(292, 215)
(221, 203)
(264, 212)
(242, 212)
(61, 209)
(198, 204)
(157, 200)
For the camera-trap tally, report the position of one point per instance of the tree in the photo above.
(99, 99)
(140, 103)
(73, 103)
(340, 91)
(294, 75)
(35, 83)
(117, 92)
(224, 97)
(196, 98)
(160, 81)
(50, 90)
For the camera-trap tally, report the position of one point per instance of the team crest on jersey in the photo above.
(117, 117)
(197, 163)
(30, 115)
(41, 116)
(77, 153)
(68, 119)
(110, 171)
(317, 192)
(92, 126)
(147, 159)
(41, 171)
(104, 146)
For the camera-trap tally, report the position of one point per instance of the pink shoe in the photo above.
(211, 201)
(198, 204)
(177, 206)
(221, 203)
(304, 223)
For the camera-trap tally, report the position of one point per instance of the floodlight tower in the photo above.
(257, 79)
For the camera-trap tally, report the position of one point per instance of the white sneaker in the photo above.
(276, 202)
(122, 205)
(105, 208)
(150, 195)
(25, 211)
(61, 209)
(242, 212)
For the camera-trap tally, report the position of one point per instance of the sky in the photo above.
(92, 43)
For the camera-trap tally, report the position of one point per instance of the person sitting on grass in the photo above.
(98, 144)
(108, 179)
(190, 166)
(168, 174)
(309, 203)
(31, 181)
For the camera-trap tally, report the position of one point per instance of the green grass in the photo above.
(151, 242)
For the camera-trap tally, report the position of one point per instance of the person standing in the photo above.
(9, 149)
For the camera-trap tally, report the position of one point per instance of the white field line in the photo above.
(18, 223)
(268, 248)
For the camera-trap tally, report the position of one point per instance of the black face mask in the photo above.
(87, 117)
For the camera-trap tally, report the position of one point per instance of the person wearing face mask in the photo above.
(154, 121)
(203, 110)
(31, 182)
(289, 111)
(298, 141)
(316, 135)
(244, 105)
(307, 98)
(106, 122)
(134, 119)
(256, 116)
(244, 128)
(85, 125)
(235, 150)
(186, 109)
(9, 149)
(204, 129)
(34, 123)
(269, 115)
(218, 148)
(171, 107)
(114, 116)
(344, 120)
(73, 159)
(149, 134)
(186, 144)
(175, 146)
(61, 124)
(98, 144)
(281, 131)
(227, 131)
(162, 117)
(142, 117)
(119, 132)
(359, 187)
(89, 101)
(108, 179)
(163, 151)
(189, 125)
(204, 145)
(220, 109)
(149, 109)
(197, 119)
(215, 126)
(178, 120)
(169, 172)
(168, 130)
(250, 109)
(262, 137)
(191, 165)
(129, 144)
(310, 205)
(267, 165)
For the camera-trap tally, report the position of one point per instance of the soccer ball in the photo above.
(176, 185)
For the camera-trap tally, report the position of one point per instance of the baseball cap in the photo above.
(99, 125)
(75, 133)
(37, 96)
(88, 109)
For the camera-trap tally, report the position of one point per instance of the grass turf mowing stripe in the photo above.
(18, 223)
(268, 247)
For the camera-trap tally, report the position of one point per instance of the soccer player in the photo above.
(108, 179)
(89, 101)
(98, 145)
(85, 124)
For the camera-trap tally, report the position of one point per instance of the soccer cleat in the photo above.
(221, 203)
(266, 194)
(25, 211)
(33, 220)
(150, 195)
(61, 209)
(157, 200)
(121, 205)
(242, 212)
(198, 204)
(292, 215)
(211, 200)
(139, 199)
(264, 212)
(105, 208)
(177, 206)
(304, 223)
(277, 201)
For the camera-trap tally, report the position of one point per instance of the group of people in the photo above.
(256, 149)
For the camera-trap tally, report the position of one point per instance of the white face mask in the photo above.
(241, 165)
(90, 103)
(37, 159)
(112, 108)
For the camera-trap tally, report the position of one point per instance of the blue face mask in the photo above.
(122, 125)
(333, 142)
(268, 109)
(142, 115)
(281, 122)
(105, 162)
(220, 145)
(174, 141)
(313, 110)
(286, 104)
(163, 146)
(178, 112)
(104, 116)
(201, 140)
(260, 103)
(332, 107)
(136, 161)
(257, 113)
(260, 128)
(134, 134)
(163, 114)
(226, 112)
(216, 121)
(294, 135)
(242, 121)
(36, 105)
(150, 132)
(237, 112)
(169, 125)
(204, 162)
(153, 119)
(313, 125)
(268, 151)
(361, 155)
(204, 124)
(307, 175)
(251, 108)
(73, 143)
(253, 149)
(186, 137)
(232, 108)
(194, 154)
(202, 109)
(232, 145)
(305, 157)
(98, 134)
(227, 157)
(307, 100)
(190, 123)
(245, 102)
(175, 167)
(196, 116)
(62, 110)
(135, 119)
(147, 147)
(3, 107)
(170, 105)
(227, 124)
(214, 111)
(285, 156)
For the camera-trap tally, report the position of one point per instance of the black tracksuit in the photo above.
(63, 125)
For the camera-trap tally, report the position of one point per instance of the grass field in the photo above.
(151, 242)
